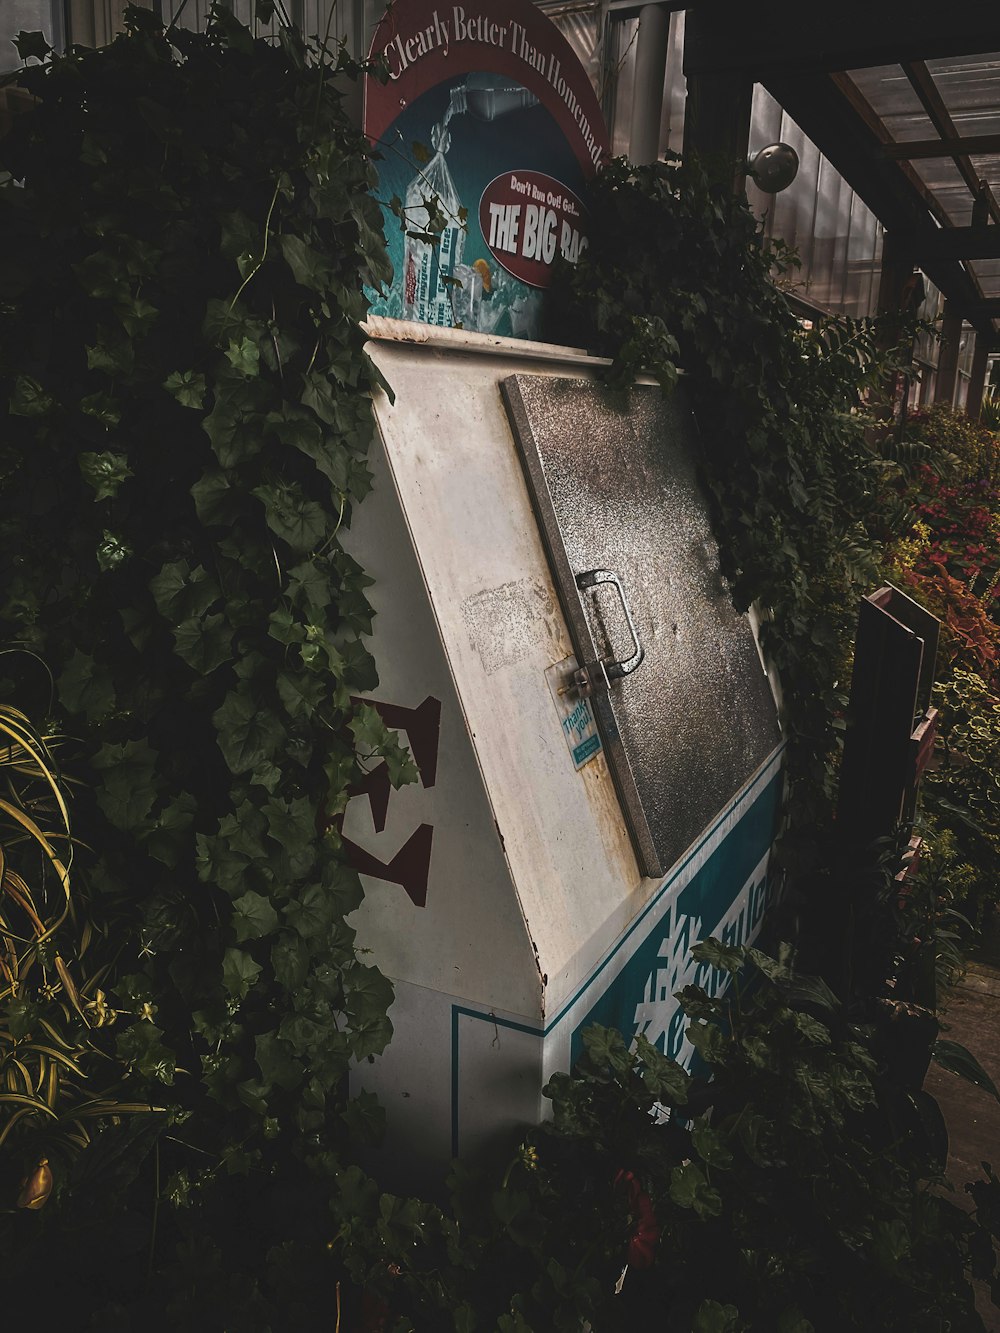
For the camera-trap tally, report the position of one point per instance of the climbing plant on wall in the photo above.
(187, 229)
(679, 281)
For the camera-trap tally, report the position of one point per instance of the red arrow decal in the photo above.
(410, 867)
(423, 727)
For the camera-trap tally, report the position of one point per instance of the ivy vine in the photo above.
(680, 280)
(187, 233)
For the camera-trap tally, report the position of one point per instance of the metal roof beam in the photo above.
(933, 103)
(848, 138)
(912, 149)
(853, 34)
(957, 243)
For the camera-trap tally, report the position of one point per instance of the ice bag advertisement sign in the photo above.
(487, 128)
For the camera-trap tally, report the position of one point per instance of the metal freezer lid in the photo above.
(684, 707)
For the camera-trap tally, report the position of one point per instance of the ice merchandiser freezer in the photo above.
(597, 741)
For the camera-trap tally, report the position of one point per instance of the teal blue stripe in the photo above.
(667, 884)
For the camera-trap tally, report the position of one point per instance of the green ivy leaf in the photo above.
(297, 520)
(298, 430)
(793, 1321)
(710, 1043)
(664, 1078)
(235, 439)
(243, 355)
(204, 642)
(292, 825)
(218, 863)
(105, 473)
(369, 992)
(290, 957)
(364, 1119)
(284, 627)
(690, 1189)
(103, 408)
(217, 500)
(371, 736)
(248, 734)
(188, 387)
(170, 836)
(253, 916)
(239, 972)
(718, 955)
(114, 356)
(710, 1145)
(112, 551)
(344, 886)
(140, 1047)
(127, 787)
(715, 1318)
(891, 1242)
(359, 670)
(319, 393)
(29, 399)
(136, 315)
(32, 45)
(312, 913)
(277, 1062)
(221, 320)
(401, 1223)
(85, 688)
(21, 1016)
(182, 593)
(607, 1049)
(355, 1197)
(310, 269)
(300, 693)
(311, 588)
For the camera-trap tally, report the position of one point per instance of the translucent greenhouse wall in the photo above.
(838, 238)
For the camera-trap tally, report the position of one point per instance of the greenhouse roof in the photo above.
(904, 99)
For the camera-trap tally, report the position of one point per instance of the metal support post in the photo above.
(647, 91)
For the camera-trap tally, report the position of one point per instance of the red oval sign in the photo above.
(527, 218)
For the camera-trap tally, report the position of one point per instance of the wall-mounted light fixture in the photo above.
(773, 168)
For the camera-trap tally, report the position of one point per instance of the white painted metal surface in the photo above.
(532, 917)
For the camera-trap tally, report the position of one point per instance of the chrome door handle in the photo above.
(611, 670)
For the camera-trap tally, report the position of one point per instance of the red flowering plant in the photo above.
(949, 560)
(970, 638)
(959, 526)
(948, 557)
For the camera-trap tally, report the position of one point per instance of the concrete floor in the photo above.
(971, 1015)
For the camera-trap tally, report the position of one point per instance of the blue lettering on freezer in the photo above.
(725, 898)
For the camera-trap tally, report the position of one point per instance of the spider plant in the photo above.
(51, 1006)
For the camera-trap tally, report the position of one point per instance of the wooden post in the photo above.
(947, 371)
(717, 121)
(977, 376)
(895, 296)
(717, 109)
